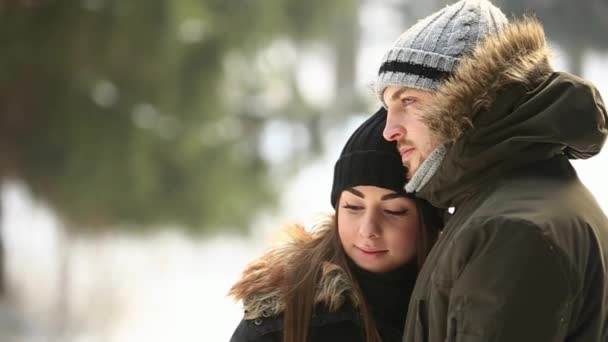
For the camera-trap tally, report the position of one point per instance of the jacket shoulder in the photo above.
(324, 326)
(258, 330)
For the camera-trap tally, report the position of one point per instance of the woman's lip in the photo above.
(371, 251)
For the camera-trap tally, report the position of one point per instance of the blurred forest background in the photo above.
(133, 117)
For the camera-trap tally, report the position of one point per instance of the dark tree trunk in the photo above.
(2, 254)
(62, 318)
(345, 42)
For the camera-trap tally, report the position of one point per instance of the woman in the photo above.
(350, 277)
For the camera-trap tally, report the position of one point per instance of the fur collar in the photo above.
(518, 54)
(504, 108)
(261, 287)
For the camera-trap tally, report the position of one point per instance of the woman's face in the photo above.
(378, 228)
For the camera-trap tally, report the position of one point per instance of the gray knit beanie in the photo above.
(429, 51)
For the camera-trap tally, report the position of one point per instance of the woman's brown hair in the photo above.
(299, 276)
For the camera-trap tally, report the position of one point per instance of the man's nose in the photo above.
(393, 130)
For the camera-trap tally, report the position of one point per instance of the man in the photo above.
(484, 125)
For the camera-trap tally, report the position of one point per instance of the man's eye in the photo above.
(408, 101)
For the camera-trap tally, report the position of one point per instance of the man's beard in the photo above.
(407, 173)
(406, 143)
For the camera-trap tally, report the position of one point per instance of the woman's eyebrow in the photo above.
(356, 192)
(391, 196)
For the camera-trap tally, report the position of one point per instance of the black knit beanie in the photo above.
(368, 159)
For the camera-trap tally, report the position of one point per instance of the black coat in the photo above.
(342, 325)
(387, 294)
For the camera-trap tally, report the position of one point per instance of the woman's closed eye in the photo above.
(352, 207)
(399, 212)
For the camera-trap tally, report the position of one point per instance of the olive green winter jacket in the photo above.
(524, 257)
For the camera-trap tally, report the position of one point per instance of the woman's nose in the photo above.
(370, 226)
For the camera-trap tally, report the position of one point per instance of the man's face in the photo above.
(404, 125)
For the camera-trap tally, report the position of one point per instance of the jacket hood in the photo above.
(262, 284)
(504, 107)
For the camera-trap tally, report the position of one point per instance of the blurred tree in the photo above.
(119, 113)
(577, 26)
(2, 275)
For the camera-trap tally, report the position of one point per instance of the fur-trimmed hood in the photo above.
(518, 55)
(504, 107)
(262, 284)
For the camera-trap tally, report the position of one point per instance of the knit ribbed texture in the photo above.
(427, 53)
(388, 295)
(426, 170)
(368, 159)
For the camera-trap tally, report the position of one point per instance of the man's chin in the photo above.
(410, 171)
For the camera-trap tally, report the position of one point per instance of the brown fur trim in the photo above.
(262, 284)
(518, 54)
